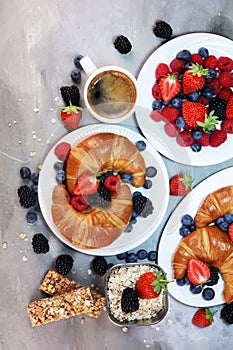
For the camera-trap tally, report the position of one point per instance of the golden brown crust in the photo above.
(214, 205)
(212, 246)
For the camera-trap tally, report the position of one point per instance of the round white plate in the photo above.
(159, 193)
(170, 238)
(154, 131)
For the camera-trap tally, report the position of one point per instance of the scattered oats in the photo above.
(39, 167)
(4, 245)
(82, 321)
(21, 251)
(157, 328)
(125, 329)
(144, 341)
(169, 321)
(73, 272)
(56, 99)
(92, 285)
(52, 135)
(53, 121)
(20, 99)
(20, 141)
(24, 258)
(32, 154)
(39, 140)
(34, 137)
(104, 308)
(36, 109)
(9, 124)
(47, 142)
(89, 272)
(15, 122)
(51, 109)
(22, 235)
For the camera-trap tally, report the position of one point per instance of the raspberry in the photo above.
(229, 108)
(226, 79)
(225, 94)
(99, 265)
(62, 151)
(122, 44)
(227, 125)
(210, 62)
(225, 64)
(40, 244)
(177, 66)
(70, 94)
(170, 113)
(184, 138)
(196, 58)
(162, 69)
(204, 140)
(156, 93)
(171, 129)
(162, 30)
(215, 85)
(64, 264)
(217, 138)
(129, 300)
(203, 100)
(27, 197)
(156, 115)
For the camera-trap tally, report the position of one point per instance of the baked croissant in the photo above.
(105, 152)
(215, 204)
(212, 246)
(94, 227)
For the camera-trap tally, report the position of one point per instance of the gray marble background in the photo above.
(38, 42)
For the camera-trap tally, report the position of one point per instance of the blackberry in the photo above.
(27, 197)
(142, 205)
(40, 244)
(70, 94)
(99, 265)
(218, 105)
(129, 300)
(122, 44)
(64, 264)
(162, 30)
(214, 277)
(101, 198)
(227, 313)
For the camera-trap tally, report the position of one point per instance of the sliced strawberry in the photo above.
(230, 231)
(169, 86)
(112, 183)
(71, 116)
(193, 112)
(62, 151)
(198, 272)
(86, 184)
(79, 203)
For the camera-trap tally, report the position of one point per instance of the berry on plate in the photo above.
(169, 86)
(62, 151)
(71, 116)
(209, 123)
(197, 271)
(217, 137)
(150, 284)
(161, 69)
(230, 231)
(193, 112)
(112, 183)
(229, 108)
(193, 78)
(79, 202)
(203, 317)
(180, 185)
(70, 95)
(86, 184)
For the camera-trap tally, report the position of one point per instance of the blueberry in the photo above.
(192, 227)
(31, 217)
(157, 104)
(77, 61)
(151, 171)
(152, 255)
(134, 215)
(60, 176)
(25, 172)
(195, 289)
(142, 254)
(133, 221)
(193, 96)
(208, 92)
(203, 52)
(37, 206)
(223, 226)
(187, 220)
(147, 184)
(127, 178)
(35, 188)
(219, 220)
(141, 145)
(76, 76)
(129, 228)
(137, 193)
(196, 134)
(122, 256)
(184, 231)
(176, 102)
(180, 122)
(196, 147)
(228, 217)
(131, 258)
(188, 65)
(35, 178)
(59, 166)
(187, 280)
(184, 55)
(181, 281)
(208, 293)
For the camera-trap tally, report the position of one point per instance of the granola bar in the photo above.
(60, 307)
(55, 283)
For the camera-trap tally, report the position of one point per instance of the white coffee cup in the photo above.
(110, 92)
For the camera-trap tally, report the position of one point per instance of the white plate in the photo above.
(170, 238)
(159, 193)
(154, 131)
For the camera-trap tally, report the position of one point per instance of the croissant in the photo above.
(94, 227)
(215, 204)
(105, 152)
(212, 246)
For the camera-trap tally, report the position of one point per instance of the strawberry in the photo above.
(203, 317)
(193, 78)
(180, 185)
(230, 231)
(62, 151)
(162, 69)
(71, 116)
(217, 137)
(112, 183)
(229, 108)
(86, 184)
(197, 271)
(79, 203)
(169, 86)
(150, 284)
(193, 112)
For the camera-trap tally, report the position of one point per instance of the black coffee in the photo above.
(111, 94)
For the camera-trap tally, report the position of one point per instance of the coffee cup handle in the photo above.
(87, 65)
